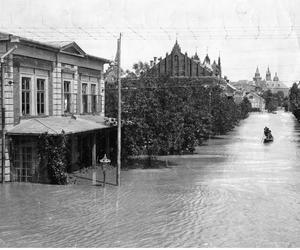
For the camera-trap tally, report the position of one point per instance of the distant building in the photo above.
(245, 85)
(178, 64)
(257, 102)
(270, 84)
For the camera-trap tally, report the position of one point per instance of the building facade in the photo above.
(274, 85)
(49, 88)
(257, 102)
(178, 64)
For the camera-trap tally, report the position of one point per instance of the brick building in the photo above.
(50, 87)
(178, 64)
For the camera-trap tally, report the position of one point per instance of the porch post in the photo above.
(94, 156)
(107, 146)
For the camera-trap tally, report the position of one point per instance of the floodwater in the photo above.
(236, 192)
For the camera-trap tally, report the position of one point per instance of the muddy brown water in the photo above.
(235, 192)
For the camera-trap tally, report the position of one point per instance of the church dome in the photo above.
(276, 79)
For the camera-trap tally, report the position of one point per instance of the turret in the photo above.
(206, 60)
(275, 79)
(196, 57)
(257, 77)
(176, 47)
(268, 75)
(219, 64)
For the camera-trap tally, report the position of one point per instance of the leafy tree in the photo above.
(245, 108)
(173, 115)
(294, 100)
(270, 100)
(138, 69)
(294, 97)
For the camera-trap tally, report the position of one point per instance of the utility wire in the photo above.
(161, 33)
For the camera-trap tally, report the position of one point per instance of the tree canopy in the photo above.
(172, 116)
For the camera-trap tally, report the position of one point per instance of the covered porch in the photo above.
(89, 139)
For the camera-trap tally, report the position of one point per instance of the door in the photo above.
(24, 163)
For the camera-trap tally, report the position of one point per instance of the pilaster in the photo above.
(57, 89)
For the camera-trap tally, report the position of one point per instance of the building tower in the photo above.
(219, 64)
(176, 47)
(257, 77)
(206, 60)
(275, 79)
(268, 75)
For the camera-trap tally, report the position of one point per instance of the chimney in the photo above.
(151, 63)
(155, 60)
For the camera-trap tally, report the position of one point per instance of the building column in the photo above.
(57, 90)
(9, 113)
(101, 93)
(75, 91)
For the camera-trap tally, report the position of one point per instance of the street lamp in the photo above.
(104, 162)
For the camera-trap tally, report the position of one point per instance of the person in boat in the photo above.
(268, 134)
(266, 131)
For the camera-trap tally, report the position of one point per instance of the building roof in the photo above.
(254, 94)
(57, 124)
(231, 86)
(276, 85)
(58, 46)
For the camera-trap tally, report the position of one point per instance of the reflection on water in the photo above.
(236, 192)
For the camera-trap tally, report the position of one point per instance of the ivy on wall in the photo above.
(54, 155)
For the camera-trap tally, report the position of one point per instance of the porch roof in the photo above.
(57, 124)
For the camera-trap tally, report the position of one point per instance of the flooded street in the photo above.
(235, 192)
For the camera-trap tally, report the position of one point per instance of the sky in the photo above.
(245, 33)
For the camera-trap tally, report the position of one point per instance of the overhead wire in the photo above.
(160, 33)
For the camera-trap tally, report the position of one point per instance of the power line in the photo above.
(161, 33)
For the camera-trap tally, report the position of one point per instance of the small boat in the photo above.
(268, 139)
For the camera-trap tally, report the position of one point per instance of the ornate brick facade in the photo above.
(178, 64)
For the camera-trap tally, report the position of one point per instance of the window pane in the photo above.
(67, 103)
(27, 84)
(25, 97)
(93, 89)
(66, 86)
(84, 88)
(27, 109)
(84, 103)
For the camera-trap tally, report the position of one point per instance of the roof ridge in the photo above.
(45, 125)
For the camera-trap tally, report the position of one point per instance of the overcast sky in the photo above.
(246, 33)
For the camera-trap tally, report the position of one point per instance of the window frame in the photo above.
(93, 98)
(46, 101)
(85, 96)
(30, 77)
(67, 93)
(33, 94)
